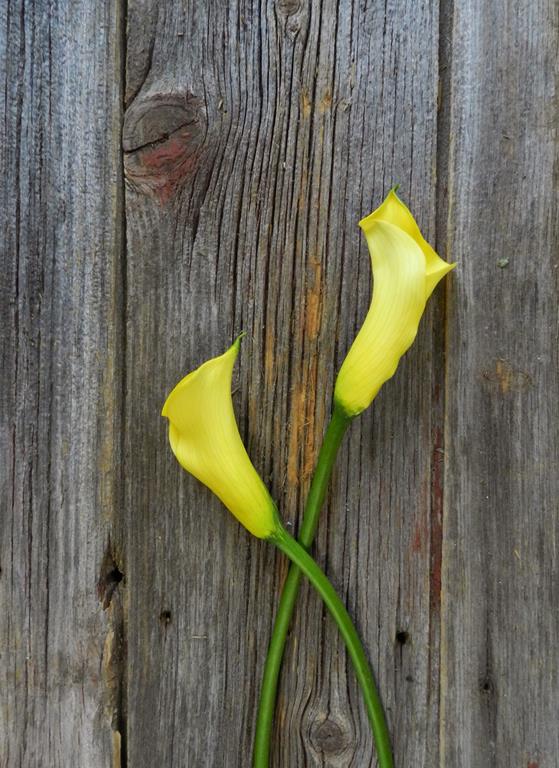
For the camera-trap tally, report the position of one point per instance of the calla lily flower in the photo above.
(406, 269)
(205, 439)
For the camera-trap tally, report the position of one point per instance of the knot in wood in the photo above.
(110, 577)
(162, 137)
(487, 686)
(329, 737)
(288, 7)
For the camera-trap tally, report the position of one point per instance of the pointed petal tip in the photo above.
(237, 343)
(227, 357)
(366, 220)
(233, 350)
(445, 267)
(432, 279)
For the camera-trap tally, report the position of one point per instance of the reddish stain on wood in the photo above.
(417, 541)
(160, 169)
(436, 520)
(162, 136)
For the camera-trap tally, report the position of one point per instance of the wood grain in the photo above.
(61, 214)
(251, 137)
(302, 115)
(500, 692)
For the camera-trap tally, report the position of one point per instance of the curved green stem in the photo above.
(298, 555)
(332, 439)
(334, 434)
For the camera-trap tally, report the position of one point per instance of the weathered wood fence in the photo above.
(175, 172)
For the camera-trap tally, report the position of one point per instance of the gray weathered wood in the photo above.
(60, 214)
(136, 611)
(500, 679)
(279, 125)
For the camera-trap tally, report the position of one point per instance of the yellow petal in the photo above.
(394, 211)
(405, 270)
(205, 439)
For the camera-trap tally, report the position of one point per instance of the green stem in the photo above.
(332, 439)
(301, 558)
(334, 434)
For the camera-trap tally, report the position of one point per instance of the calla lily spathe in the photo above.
(406, 270)
(205, 439)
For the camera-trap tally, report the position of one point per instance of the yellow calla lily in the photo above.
(406, 269)
(205, 439)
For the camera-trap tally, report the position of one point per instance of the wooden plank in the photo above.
(255, 137)
(500, 686)
(60, 214)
